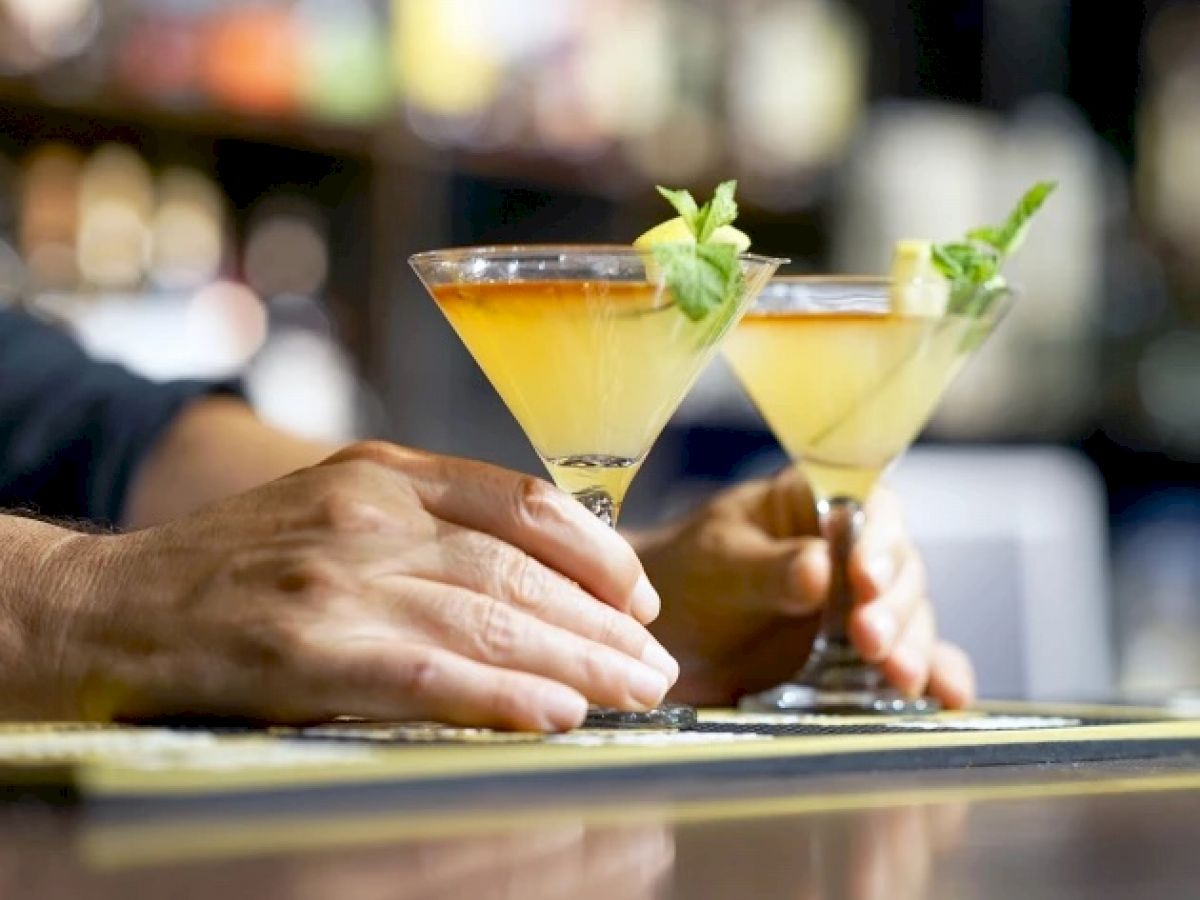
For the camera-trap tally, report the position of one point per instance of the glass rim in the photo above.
(864, 280)
(534, 251)
(823, 294)
(876, 281)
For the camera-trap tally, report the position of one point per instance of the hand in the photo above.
(744, 579)
(384, 583)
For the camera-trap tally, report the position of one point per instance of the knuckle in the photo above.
(595, 666)
(533, 500)
(343, 513)
(313, 580)
(373, 452)
(360, 470)
(621, 632)
(418, 676)
(611, 630)
(498, 632)
(519, 578)
(343, 480)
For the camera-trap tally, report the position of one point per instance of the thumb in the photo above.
(786, 504)
(785, 576)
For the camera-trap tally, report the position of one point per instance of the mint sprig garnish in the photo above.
(701, 277)
(706, 275)
(1007, 238)
(684, 203)
(973, 266)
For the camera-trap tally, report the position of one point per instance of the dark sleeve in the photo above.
(72, 430)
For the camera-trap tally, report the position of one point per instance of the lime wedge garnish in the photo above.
(676, 231)
(918, 287)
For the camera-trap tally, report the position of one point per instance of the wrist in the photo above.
(89, 587)
(47, 577)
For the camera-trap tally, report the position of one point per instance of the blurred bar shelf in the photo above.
(30, 113)
(21, 100)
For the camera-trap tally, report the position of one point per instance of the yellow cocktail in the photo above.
(846, 380)
(846, 393)
(590, 369)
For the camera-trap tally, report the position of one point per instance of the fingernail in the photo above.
(882, 569)
(648, 686)
(646, 603)
(657, 658)
(883, 626)
(563, 709)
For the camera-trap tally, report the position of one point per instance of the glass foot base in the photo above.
(801, 698)
(667, 716)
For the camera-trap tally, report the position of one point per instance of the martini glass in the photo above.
(591, 354)
(846, 382)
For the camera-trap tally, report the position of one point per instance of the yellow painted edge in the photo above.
(409, 763)
(1079, 710)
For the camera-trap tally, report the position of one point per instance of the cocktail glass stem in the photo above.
(835, 678)
(600, 504)
(833, 663)
(667, 715)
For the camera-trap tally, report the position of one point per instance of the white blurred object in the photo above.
(187, 230)
(304, 383)
(796, 85)
(56, 28)
(116, 201)
(447, 63)
(625, 66)
(287, 248)
(1015, 547)
(918, 170)
(209, 334)
(296, 376)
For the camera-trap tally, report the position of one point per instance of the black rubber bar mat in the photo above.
(387, 763)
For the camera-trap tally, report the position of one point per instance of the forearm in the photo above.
(44, 576)
(215, 449)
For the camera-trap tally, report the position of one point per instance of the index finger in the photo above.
(529, 513)
(882, 549)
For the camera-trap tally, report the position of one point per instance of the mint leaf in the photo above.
(973, 266)
(705, 275)
(720, 210)
(724, 258)
(698, 275)
(965, 261)
(1007, 238)
(989, 235)
(684, 204)
(947, 261)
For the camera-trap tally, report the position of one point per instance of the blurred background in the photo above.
(203, 187)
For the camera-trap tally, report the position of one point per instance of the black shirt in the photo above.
(72, 430)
